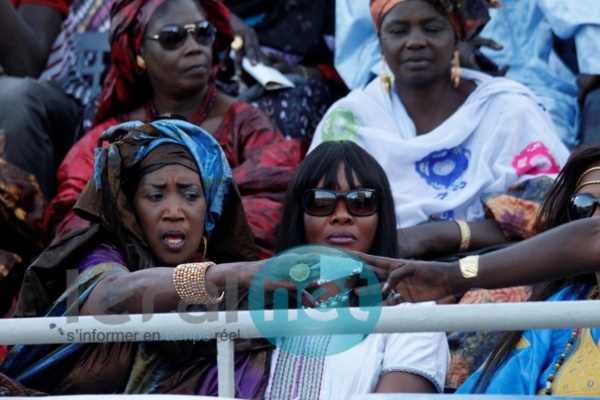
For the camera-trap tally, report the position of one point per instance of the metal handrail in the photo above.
(228, 326)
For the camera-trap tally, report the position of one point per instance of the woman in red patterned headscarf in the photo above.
(165, 57)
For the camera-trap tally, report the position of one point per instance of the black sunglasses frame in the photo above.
(203, 32)
(308, 194)
(592, 206)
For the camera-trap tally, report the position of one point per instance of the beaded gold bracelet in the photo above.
(465, 236)
(190, 283)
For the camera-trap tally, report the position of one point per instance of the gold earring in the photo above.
(386, 81)
(455, 71)
(140, 61)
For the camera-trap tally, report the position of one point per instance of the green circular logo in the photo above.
(329, 274)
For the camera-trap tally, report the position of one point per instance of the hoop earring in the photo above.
(205, 242)
(386, 81)
(455, 71)
(140, 61)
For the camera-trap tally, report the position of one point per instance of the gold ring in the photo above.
(238, 43)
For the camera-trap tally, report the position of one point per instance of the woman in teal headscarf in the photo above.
(162, 196)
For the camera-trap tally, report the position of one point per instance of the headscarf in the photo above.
(466, 16)
(126, 84)
(138, 149)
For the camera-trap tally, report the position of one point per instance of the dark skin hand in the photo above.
(251, 48)
(471, 56)
(255, 55)
(550, 255)
(26, 37)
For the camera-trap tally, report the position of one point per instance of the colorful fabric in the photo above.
(304, 372)
(516, 210)
(126, 85)
(468, 350)
(130, 367)
(467, 16)
(262, 162)
(498, 138)
(135, 366)
(21, 237)
(84, 16)
(528, 367)
(298, 111)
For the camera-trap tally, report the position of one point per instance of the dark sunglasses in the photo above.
(359, 202)
(173, 37)
(581, 205)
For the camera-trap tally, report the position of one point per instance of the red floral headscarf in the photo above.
(126, 85)
(466, 16)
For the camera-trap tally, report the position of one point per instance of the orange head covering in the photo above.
(466, 16)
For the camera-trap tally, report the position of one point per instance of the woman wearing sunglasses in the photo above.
(340, 196)
(532, 362)
(166, 55)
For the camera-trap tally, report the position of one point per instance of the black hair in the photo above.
(322, 164)
(553, 213)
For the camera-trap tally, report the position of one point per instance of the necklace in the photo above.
(199, 116)
(341, 299)
(563, 355)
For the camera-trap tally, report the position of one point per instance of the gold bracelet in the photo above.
(465, 235)
(469, 266)
(190, 283)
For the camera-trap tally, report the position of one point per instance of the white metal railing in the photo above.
(228, 326)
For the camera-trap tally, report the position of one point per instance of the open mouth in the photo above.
(174, 240)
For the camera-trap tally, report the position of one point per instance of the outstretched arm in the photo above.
(571, 249)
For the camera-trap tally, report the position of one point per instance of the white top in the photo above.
(303, 375)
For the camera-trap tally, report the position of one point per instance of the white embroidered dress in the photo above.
(500, 136)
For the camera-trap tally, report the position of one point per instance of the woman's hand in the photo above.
(248, 47)
(413, 281)
(472, 57)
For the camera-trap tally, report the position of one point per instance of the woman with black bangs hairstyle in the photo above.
(322, 164)
(340, 196)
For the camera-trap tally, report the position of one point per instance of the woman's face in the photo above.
(182, 71)
(171, 208)
(418, 43)
(340, 228)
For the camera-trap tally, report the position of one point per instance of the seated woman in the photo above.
(454, 143)
(165, 56)
(323, 206)
(553, 361)
(448, 138)
(162, 195)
